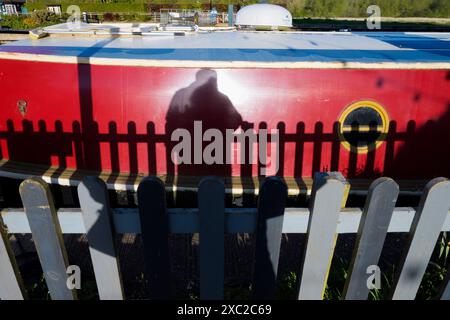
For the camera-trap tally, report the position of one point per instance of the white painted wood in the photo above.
(271, 205)
(327, 218)
(97, 218)
(154, 219)
(11, 286)
(380, 204)
(126, 220)
(47, 236)
(211, 204)
(425, 229)
(224, 64)
(327, 199)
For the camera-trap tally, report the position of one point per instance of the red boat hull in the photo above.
(114, 118)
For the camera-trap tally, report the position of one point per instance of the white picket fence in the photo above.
(326, 217)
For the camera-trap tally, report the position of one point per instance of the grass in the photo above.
(288, 284)
(429, 289)
(320, 24)
(134, 12)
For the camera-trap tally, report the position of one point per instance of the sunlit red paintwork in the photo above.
(306, 102)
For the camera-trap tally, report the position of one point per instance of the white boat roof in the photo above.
(239, 48)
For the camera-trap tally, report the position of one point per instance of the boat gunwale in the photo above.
(237, 64)
(235, 185)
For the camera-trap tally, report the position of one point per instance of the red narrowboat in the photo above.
(113, 102)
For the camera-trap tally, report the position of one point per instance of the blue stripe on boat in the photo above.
(257, 55)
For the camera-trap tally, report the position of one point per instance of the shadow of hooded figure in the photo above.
(201, 101)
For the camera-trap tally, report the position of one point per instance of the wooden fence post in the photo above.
(377, 213)
(42, 218)
(271, 204)
(97, 218)
(155, 234)
(11, 284)
(328, 196)
(426, 226)
(211, 205)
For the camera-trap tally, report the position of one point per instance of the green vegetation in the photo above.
(131, 6)
(137, 10)
(288, 284)
(14, 22)
(91, 5)
(43, 18)
(357, 8)
(299, 8)
(429, 289)
(38, 18)
(131, 17)
(361, 25)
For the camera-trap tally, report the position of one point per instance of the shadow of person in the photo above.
(196, 109)
(193, 111)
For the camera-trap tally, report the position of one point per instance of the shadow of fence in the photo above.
(301, 153)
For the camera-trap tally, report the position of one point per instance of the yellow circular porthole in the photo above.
(363, 126)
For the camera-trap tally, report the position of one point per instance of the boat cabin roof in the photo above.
(242, 48)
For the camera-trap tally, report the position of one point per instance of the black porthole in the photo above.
(363, 126)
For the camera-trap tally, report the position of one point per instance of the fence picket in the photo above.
(155, 234)
(328, 194)
(211, 205)
(425, 229)
(11, 285)
(97, 218)
(42, 218)
(271, 204)
(212, 220)
(377, 213)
